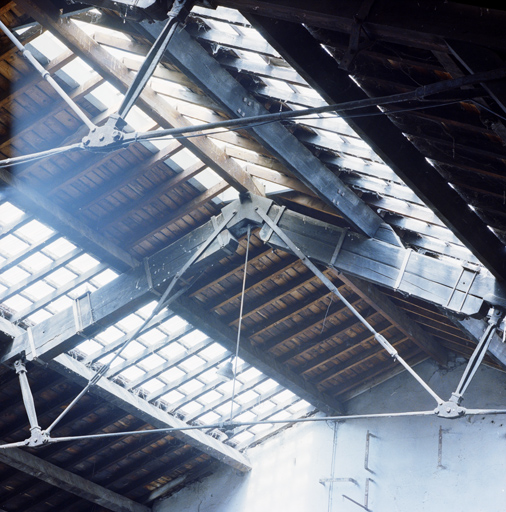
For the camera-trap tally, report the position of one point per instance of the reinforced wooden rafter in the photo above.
(140, 408)
(70, 482)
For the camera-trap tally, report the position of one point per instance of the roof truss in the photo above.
(212, 78)
(117, 74)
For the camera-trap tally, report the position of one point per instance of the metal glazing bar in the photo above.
(46, 76)
(330, 285)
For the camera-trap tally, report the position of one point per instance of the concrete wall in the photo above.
(415, 463)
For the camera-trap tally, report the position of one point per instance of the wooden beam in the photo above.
(121, 296)
(69, 482)
(397, 317)
(322, 71)
(140, 408)
(447, 283)
(196, 63)
(118, 75)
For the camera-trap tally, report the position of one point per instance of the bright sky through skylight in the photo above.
(179, 353)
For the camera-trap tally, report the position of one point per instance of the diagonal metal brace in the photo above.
(330, 285)
(102, 138)
(37, 437)
(479, 353)
(162, 302)
(180, 9)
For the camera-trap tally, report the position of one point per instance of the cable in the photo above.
(229, 425)
(254, 125)
(240, 322)
(480, 105)
(9, 162)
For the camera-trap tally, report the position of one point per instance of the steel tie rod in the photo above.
(176, 14)
(330, 285)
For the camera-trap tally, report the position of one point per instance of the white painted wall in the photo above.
(403, 458)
